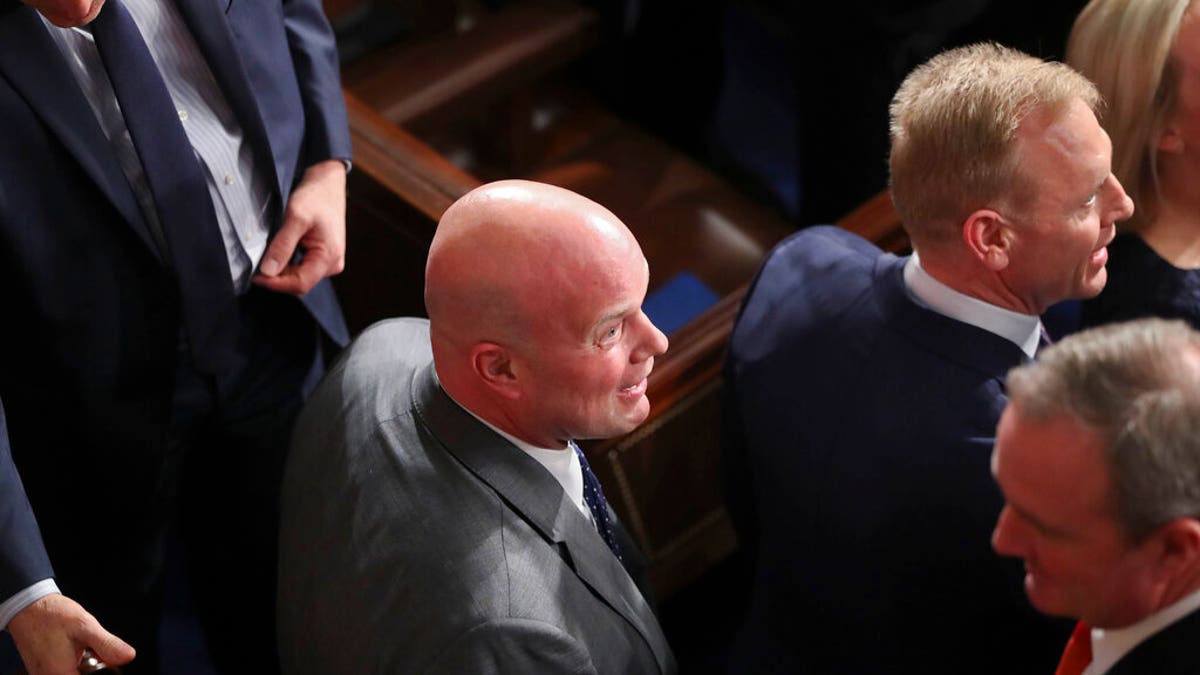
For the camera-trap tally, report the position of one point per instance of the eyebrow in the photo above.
(1025, 515)
(612, 316)
(1033, 520)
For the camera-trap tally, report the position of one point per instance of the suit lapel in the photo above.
(209, 27)
(602, 572)
(34, 65)
(538, 498)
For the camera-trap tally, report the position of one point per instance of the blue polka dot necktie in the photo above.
(175, 177)
(593, 496)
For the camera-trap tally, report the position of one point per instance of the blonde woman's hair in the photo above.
(1124, 46)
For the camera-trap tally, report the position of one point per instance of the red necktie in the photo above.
(1078, 653)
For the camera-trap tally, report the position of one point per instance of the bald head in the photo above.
(524, 279)
(507, 250)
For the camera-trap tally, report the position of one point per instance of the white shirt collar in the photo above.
(1110, 645)
(1023, 330)
(562, 463)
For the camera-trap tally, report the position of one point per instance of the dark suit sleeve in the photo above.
(314, 53)
(735, 466)
(23, 559)
(511, 646)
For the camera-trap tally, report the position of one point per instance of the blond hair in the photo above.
(953, 126)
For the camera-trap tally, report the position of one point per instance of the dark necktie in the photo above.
(185, 210)
(1078, 653)
(594, 497)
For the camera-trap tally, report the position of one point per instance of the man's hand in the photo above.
(315, 219)
(52, 633)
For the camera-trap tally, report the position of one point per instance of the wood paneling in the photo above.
(397, 191)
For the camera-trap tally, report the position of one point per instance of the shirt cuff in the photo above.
(10, 607)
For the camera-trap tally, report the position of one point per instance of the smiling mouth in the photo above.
(1100, 255)
(634, 390)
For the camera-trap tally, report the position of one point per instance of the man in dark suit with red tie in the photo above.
(172, 185)
(1098, 457)
(864, 388)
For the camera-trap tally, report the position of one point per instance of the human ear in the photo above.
(492, 364)
(1176, 550)
(988, 237)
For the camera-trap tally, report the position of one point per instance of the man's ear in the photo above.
(493, 365)
(1169, 141)
(1176, 549)
(988, 237)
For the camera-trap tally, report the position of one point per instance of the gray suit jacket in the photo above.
(416, 540)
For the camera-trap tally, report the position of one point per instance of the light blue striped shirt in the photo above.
(240, 195)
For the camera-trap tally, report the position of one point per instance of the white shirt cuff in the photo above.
(25, 598)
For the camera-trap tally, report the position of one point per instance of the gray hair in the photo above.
(1137, 385)
(954, 123)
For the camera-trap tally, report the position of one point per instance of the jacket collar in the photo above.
(33, 64)
(50, 89)
(536, 497)
(969, 346)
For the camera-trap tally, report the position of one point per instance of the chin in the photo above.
(1045, 602)
(629, 421)
(71, 19)
(1095, 283)
(641, 412)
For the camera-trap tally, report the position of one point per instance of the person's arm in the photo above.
(24, 565)
(49, 629)
(315, 217)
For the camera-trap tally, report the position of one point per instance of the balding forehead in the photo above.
(513, 191)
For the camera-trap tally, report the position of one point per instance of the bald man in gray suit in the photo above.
(437, 517)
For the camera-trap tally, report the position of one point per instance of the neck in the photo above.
(1175, 233)
(979, 283)
(1177, 589)
(500, 416)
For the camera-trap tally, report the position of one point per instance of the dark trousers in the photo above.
(217, 493)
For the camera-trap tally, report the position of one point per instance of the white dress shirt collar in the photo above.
(1023, 330)
(1110, 645)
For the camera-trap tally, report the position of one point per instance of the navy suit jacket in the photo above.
(90, 310)
(858, 430)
